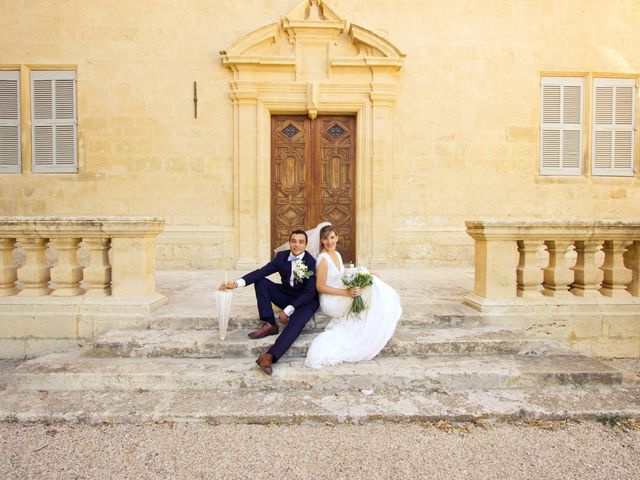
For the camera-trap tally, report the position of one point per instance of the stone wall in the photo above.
(465, 119)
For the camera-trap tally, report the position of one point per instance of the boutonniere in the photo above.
(300, 271)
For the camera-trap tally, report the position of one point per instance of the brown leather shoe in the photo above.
(264, 361)
(264, 331)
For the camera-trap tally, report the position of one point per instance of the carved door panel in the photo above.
(290, 176)
(334, 178)
(313, 177)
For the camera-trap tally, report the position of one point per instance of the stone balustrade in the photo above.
(120, 252)
(588, 262)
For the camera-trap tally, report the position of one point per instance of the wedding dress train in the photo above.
(348, 338)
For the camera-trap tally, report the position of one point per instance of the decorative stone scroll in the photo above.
(507, 271)
(313, 62)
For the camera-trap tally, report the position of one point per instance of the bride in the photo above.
(348, 338)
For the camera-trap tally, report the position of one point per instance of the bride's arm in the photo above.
(321, 282)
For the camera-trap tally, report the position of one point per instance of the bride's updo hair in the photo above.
(325, 232)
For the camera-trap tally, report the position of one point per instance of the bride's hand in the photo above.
(355, 292)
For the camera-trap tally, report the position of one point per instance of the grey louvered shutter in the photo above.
(9, 122)
(54, 122)
(613, 126)
(561, 126)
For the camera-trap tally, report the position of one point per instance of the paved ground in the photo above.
(6, 367)
(190, 292)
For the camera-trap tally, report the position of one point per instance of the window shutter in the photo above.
(54, 119)
(613, 126)
(561, 126)
(9, 122)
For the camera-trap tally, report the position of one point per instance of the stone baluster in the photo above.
(8, 269)
(616, 275)
(633, 264)
(557, 276)
(34, 274)
(67, 273)
(97, 276)
(587, 276)
(529, 274)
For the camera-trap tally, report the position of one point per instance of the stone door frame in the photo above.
(299, 66)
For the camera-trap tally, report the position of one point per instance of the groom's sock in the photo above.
(270, 320)
(274, 358)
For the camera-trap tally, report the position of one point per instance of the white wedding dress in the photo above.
(348, 338)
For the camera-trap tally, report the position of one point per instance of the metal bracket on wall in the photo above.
(195, 99)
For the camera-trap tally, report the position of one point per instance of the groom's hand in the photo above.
(228, 285)
(284, 319)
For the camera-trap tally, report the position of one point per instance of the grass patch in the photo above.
(615, 421)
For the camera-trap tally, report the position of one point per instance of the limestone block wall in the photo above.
(465, 127)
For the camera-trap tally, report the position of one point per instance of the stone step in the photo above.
(321, 407)
(434, 316)
(406, 342)
(75, 372)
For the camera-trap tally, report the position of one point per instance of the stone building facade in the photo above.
(458, 110)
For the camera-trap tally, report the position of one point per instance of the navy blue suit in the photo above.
(303, 296)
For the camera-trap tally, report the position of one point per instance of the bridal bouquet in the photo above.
(357, 277)
(300, 271)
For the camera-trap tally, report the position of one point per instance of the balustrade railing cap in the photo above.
(548, 229)
(80, 226)
(551, 221)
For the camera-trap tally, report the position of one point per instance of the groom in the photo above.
(296, 296)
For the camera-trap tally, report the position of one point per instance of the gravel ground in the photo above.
(530, 449)
(198, 451)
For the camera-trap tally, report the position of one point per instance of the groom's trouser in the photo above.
(268, 292)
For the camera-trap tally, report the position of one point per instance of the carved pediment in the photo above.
(372, 44)
(313, 18)
(313, 11)
(258, 47)
(313, 22)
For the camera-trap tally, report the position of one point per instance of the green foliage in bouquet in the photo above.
(357, 277)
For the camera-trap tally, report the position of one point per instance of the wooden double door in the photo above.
(313, 177)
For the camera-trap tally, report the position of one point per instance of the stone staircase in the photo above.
(443, 362)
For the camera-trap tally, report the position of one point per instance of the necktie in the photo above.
(293, 258)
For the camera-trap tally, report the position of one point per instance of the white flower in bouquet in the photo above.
(300, 271)
(357, 277)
